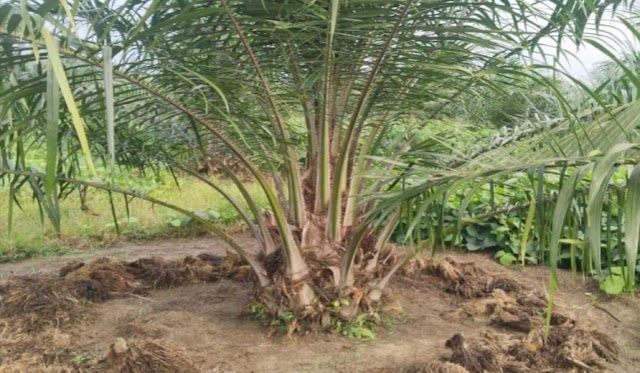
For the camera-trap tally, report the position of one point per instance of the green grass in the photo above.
(30, 237)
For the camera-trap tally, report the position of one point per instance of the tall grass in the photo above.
(31, 236)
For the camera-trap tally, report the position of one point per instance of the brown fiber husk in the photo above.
(143, 356)
(159, 273)
(101, 279)
(40, 301)
(467, 279)
(519, 312)
(35, 351)
(568, 348)
(478, 358)
(507, 305)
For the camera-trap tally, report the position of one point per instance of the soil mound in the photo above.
(33, 365)
(435, 367)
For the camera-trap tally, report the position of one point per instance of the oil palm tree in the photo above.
(302, 93)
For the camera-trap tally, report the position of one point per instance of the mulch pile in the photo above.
(142, 356)
(46, 350)
(37, 312)
(516, 342)
(39, 301)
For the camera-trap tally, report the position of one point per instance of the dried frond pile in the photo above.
(467, 279)
(512, 307)
(105, 278)
(479, 359)
(568, 346)
(522, 312)
(40, 301)
(32, 352)
(159, 273)
(101, 279)
(142, 356)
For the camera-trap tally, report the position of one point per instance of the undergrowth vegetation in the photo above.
(93, 226)
(498, 217)
(512, 217)
(493, 217)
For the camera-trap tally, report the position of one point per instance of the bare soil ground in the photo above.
(202, 321)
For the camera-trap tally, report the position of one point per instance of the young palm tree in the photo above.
(303, 94)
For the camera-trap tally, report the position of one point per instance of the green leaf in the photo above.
(472, 231)
(201, 214)
(69, 14)
(563, 203)
(602, 171)
(508, 259)
(109, 107)
(53, 119)
(215, 215)
(613, 284)
(61, 77)
(632, 225)
(527, 228)
(207, 81)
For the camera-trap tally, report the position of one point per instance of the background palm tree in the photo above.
(304, 94)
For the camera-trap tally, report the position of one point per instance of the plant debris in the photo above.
(479, 359)
(101, 279)
(468, 280)
(40, 301)
(70, 267)
(158, 273)
(142, 356)
(22, 351)
(510, 306)
(34, 312)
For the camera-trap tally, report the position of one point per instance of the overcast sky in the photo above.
(580, 60)
(613, 33)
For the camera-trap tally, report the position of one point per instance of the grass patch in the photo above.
(20, 252)
(32, 237)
